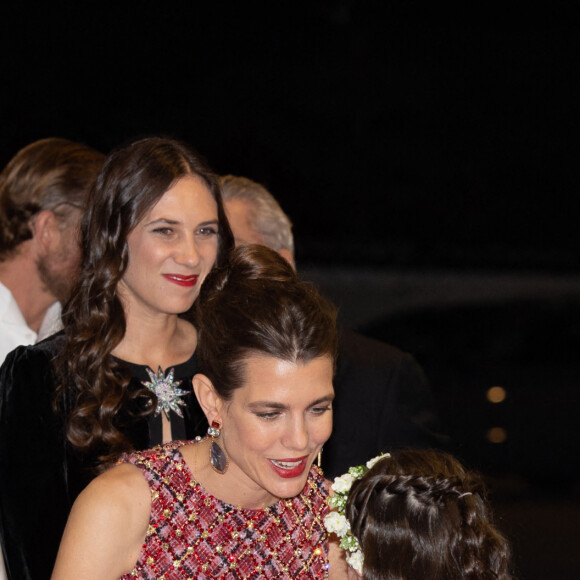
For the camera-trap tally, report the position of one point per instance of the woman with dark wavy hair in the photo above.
(118, 378)
(420, 514)
(245, 502)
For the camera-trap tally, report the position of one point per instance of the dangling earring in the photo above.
(319, 457)
(217, 456)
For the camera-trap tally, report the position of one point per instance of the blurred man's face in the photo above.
(237, 212)
(59, 269)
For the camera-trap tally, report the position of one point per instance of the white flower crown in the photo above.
(336, 523)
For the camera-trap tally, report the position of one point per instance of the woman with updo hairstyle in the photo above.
(247, 500)
(118, 377)
(420, 514)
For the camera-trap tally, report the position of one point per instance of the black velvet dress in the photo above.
(40, 473)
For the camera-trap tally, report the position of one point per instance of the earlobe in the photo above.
(208, 398)
(288, 256)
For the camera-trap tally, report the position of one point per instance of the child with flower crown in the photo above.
(416, 514)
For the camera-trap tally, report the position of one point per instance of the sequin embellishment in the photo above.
(194, 535)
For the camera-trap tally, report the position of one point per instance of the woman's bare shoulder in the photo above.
(119, 479)
(106, 527)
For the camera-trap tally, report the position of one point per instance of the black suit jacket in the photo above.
(40, 473)
(383, 402)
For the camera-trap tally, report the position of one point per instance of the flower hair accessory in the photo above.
(336, 522)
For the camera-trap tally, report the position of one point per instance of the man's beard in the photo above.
(58, 273)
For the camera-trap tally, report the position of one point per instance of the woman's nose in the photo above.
(187, 254)
(297, 435)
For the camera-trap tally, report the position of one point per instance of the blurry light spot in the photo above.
(496, 394)
(496, 435)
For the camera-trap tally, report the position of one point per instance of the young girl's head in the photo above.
(420, 514)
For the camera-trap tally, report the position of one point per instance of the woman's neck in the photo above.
(162, 341)
(227, 487)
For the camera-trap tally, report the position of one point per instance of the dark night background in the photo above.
(427, 157)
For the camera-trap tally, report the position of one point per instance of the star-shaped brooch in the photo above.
(167, 392)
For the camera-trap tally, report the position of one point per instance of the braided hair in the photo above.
(420, 514)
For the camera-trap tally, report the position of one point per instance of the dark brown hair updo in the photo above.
(258, 305)
(93, 389)
(420, 514)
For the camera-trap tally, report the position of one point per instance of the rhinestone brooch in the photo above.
(167, 392)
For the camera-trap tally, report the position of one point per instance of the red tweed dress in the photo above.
(195, 535)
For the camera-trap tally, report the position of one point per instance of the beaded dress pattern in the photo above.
(192, 534)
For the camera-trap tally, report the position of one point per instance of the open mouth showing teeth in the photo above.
(286, 464)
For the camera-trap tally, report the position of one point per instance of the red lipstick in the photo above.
(181, 280)
(288, 468)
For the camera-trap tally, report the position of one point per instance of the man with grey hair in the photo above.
(258, 217)
(383, 400)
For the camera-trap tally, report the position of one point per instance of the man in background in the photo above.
(43, 191)
(383, 400)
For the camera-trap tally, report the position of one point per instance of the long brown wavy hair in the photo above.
(93, 389)
(420, 514)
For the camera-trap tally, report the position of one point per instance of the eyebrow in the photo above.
(273, 405)
(162, 220)
(209, 223)
(175, 222)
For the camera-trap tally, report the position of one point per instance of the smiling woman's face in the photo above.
(171, 251)
(275, 425)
